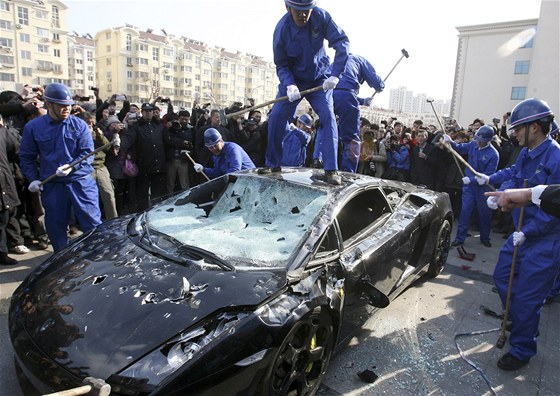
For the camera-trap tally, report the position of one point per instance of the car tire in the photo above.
(441, 249)
(303, 357)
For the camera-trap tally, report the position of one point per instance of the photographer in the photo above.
(398, 160)
(111, 105)
(250, 139)
(179, 142)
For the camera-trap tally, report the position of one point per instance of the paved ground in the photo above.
(410, 345)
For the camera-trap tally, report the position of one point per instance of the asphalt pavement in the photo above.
(408, 348)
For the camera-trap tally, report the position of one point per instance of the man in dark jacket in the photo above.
(8, 193)
(178, 138)
(423, 161)
(146, 138)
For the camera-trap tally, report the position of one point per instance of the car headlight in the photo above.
(165, 360)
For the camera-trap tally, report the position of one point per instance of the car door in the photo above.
(377, 241)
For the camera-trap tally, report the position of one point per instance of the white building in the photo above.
(500, 64)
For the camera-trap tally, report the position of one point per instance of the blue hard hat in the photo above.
(58, 93)
(302, 5)
(554, 129)
(528, 111)
(306, 120)
(211, 137)
(484, 134)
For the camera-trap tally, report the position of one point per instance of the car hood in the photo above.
(105, 302)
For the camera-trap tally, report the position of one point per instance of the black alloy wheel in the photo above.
(304, 355)
(441, 249)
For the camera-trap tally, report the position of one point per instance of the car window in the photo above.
(361, 211)
(248, 221)
(394, 195)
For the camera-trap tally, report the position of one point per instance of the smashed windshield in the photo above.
(254, 222)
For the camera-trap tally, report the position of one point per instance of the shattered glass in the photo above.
(255, 222)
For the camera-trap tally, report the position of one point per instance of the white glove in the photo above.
(116, 140)
(368, 101)
(466, 180)
(492, 202)
(63, 170)
(518, 238)
(482, 179)
(293, 93)
(198, 168)
(330, 83)
(447, 138)
(291, 127)
(35, 186)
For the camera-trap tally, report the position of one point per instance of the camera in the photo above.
(496, 120)
(509, 113)
(120, 97)
(175, 124)
(94, 88)
(165, 100)
(132, 116)
(84, 98)
(35, 89)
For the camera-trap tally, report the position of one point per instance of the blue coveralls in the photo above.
(301, 60)
(294, 147)
(57, 143)
(346, 102)
(232, 158)
(484, 160)
(538, 260)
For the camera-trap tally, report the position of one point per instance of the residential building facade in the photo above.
(33, 43)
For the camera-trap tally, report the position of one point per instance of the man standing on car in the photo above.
(302, 63)
(59, 139)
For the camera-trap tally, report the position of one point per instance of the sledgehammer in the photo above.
(92, 387)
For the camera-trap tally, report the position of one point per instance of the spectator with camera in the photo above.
(295, 141)
(109, 107)
(398, 160)
(179, 144)
(203, 156)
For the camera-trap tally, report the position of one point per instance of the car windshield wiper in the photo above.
(147, 235)
(199, 253)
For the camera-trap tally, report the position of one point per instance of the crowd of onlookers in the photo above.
(157, 159)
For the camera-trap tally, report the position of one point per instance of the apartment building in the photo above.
(500, 64)
(144, 65)
(81, 64)
(33, 43)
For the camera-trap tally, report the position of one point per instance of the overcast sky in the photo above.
(378, 29)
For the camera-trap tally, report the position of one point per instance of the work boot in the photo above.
(486, 243)
(332, 177)
(265, 170)
(456, 243)
(6, 260)
(317, 164)
(508, 362)
(43, 243)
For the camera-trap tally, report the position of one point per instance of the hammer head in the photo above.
(429, 100)
(405, 53)
(98, 386)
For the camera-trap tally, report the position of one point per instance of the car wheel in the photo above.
(303, 357)
(441, 249)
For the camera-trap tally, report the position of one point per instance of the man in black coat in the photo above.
(423, 161)
(145, 137)
(8, 193)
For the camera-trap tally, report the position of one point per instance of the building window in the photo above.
(129, 74)
(81, 82)
(6, 60)
(56, 37)
(90, 78)
(518, 93)
(528, 44)
(90, 56)
(24, 38)
(56, 53)
(167, 52)
(142, 47)
(142, 61)
(7, 25)
(522, 67)
(78, 51)
(108, 36)
(23, 16)
(58, 68)
(42, 48)
(41, 14)
(108, 49)
(155, 54)
(7, 77)
(108, 61)
(25, 54)
(6, 42)
(79, 62)
(55, 19)
(79, 71)
(129, 42)
(90, 69)
(129, 61)
(26, 71)
(41, 32)
(4, 6)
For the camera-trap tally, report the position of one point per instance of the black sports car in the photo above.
(236, 286)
